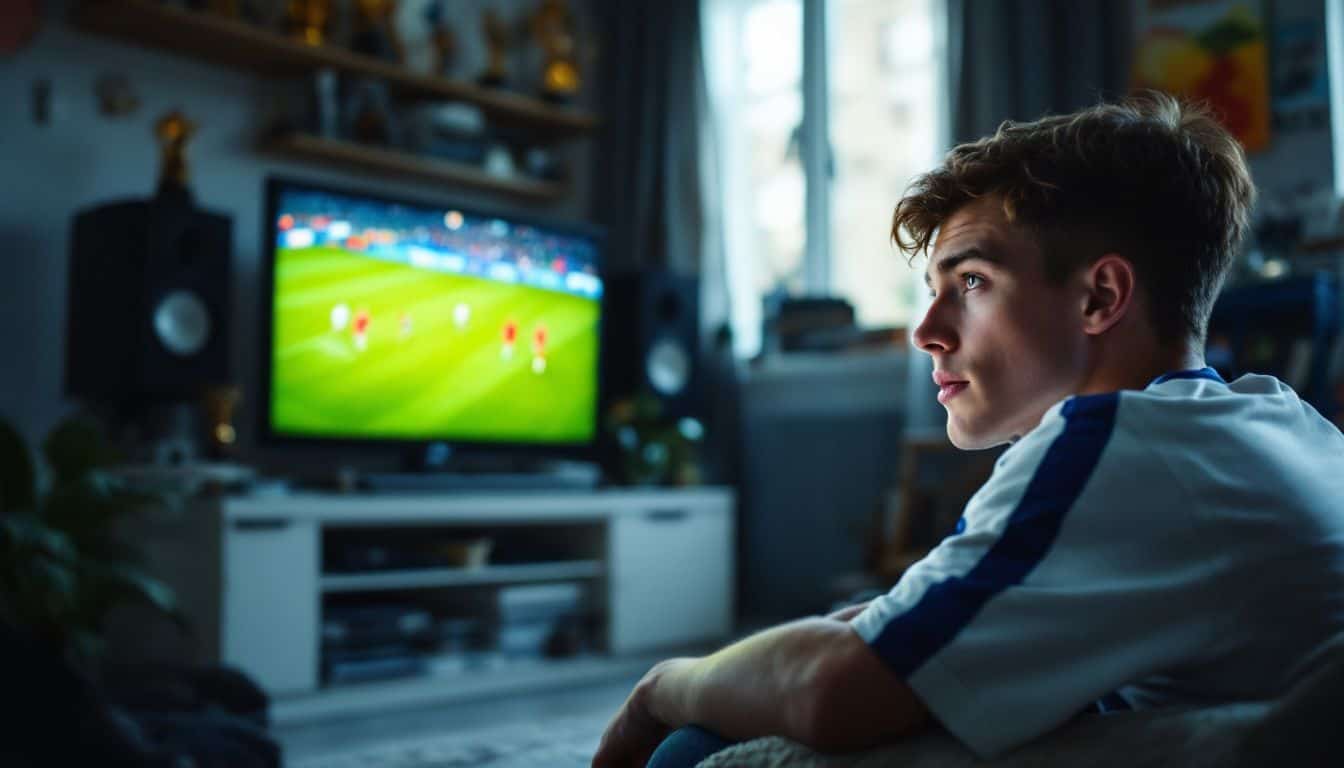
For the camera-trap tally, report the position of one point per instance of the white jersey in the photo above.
(1177, 546)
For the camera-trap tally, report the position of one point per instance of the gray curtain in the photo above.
(1021, 59)
(647, 186)
(651, 188)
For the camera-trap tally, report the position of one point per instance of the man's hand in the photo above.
(634, 733)
(814, 681)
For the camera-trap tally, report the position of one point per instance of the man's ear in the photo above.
(1110, 286)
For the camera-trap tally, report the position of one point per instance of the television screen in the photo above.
(400, 321)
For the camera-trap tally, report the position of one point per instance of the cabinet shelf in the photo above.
(245, 47)
(402, 164)
(434, 689)
(422, 578)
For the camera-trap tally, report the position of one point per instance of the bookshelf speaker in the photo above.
(651, 339)
(148, 302)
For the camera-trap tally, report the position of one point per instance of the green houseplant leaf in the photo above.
(75, 448)
(62, 564)
(18, 480)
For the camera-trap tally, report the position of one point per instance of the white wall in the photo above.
(81, 158)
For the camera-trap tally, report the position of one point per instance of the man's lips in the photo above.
(949, 386)
(948, 391)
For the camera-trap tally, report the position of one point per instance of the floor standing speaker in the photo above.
(651, 339)
(148, 302)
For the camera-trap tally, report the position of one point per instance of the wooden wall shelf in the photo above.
(403, 164)
(242, 46)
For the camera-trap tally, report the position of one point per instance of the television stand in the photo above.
(576, 477)
(260, 576)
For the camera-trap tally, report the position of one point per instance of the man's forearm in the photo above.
(768, 684)
(849, 611)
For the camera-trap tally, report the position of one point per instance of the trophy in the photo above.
(174, 130)
(552, 27)
(497, 43)
(375, 32)
(220, 405)
(442, 38)
(307, 20)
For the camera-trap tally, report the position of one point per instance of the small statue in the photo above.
(497, 44)
(552, 27)
(174, 130)
(442, 38)
(220, 405)
(375, 30)
(308, 20)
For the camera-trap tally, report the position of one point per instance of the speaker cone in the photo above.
(182, 323)
(668, 367)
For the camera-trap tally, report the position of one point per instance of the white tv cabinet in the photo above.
(658, 565)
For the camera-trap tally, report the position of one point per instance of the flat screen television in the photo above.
(407, 322)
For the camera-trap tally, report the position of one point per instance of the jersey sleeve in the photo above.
(1071, 577)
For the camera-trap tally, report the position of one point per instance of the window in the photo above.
(823, 112)
(1334, 43)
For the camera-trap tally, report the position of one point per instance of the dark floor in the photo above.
(577, 716)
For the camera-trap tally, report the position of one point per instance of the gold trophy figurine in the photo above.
(308, 20)
(552, 26)
(220, 405)
(174, 130)
(497, 43)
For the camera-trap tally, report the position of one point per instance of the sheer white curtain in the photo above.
(866, 96)
(753, 64)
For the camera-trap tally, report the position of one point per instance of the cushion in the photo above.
(1302, 728)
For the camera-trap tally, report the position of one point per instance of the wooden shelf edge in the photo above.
(397, 163)
(242, 46)
(433, 578)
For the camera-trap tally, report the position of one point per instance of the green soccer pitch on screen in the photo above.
(395, 321)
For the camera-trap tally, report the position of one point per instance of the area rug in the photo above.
(555, 742)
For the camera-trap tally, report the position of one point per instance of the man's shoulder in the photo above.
(1052, 465)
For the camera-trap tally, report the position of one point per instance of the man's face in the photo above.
(1006, 343)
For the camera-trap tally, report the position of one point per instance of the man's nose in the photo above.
(936, 334)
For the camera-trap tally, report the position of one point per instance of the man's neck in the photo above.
(1136, 370)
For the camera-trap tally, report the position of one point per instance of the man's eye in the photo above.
(971, 281)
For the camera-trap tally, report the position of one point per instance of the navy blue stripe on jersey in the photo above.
(913, 637)
(1198, 373)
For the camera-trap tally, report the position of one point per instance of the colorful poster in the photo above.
(1213, 51)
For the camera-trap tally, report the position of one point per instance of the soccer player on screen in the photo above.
(361, 329)
(539, 350)
(340, 317)
(510, 338)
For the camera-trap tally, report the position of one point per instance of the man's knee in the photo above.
(685, 747)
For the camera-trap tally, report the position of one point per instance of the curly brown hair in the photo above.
(1152, 178)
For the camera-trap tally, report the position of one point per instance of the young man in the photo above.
(1153, 537)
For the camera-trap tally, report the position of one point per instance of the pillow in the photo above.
(1300, 729)
(1195, 738)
